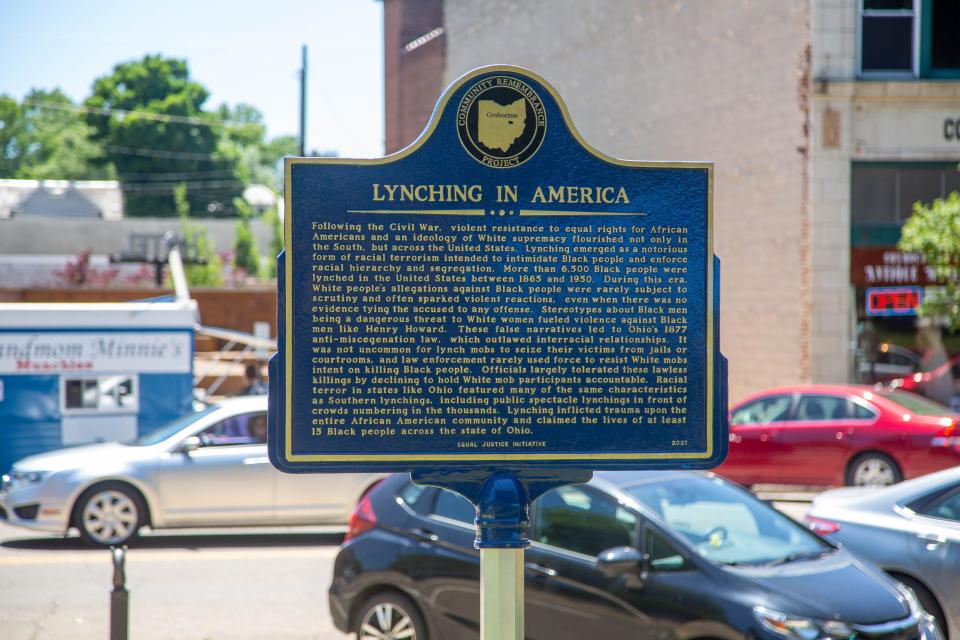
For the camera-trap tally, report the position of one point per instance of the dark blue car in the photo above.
(659, 555)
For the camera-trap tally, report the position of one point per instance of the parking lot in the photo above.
(212, 584)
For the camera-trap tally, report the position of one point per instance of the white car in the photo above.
(207, 469)
(910, 530)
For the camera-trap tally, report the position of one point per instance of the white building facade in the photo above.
(886, 103)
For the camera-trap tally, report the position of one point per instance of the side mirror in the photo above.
(618, 561)
(189, 444)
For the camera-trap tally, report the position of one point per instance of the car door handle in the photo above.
(934, 540)
(539, 569)
(424, 535)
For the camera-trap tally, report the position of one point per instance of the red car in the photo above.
(838, 434)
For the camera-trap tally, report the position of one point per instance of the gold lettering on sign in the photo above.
(579, 195)
(488, 335)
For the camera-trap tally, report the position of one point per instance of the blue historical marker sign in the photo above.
(497, 294)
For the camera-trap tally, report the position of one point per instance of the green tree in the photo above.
(243, 144)
(11, 120)
(272, 219)
(148, 115)
(934, 231)
(245, 253)
(276, 150)
(242, 140)
(45, 137)
(207, 270)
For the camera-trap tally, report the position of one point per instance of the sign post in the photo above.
(501, 524)
(501, 595)
(499, 309)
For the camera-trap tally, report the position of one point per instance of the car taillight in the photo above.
(821, 526)
(947, 437)
(362, 519)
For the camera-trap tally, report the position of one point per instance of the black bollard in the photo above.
(119, 597)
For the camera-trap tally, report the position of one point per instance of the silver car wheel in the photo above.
(110, 517)
(873, 472)
(387, 621)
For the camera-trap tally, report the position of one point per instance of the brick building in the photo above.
(824, 119)
(414, 63)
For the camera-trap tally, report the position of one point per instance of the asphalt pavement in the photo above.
(208, 585)
(201, 586)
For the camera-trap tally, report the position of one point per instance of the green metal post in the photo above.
(501, 594)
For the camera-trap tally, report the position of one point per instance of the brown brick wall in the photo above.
(413, 79)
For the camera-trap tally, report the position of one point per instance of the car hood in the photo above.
(74, 457)
(835, 587)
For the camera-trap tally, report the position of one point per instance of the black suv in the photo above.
(659, 555)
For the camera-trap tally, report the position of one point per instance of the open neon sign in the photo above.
(894, 301)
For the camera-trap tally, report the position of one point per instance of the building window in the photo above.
(941, 55)
(882, 195)
(909, 38)
(99, 394)
(887, 30)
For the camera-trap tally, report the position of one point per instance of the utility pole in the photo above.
(303, 101)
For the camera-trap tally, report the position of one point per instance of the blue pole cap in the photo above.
(502, 513)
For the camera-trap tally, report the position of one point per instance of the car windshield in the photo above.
(726, 525)
(167, 430)
(916, 404)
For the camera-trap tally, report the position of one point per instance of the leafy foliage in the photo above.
(934, 231)
(80, 273)
(207, 270)
(44, 138)
(143, 148)
(274, 152)
(145, 124)
(245, 253)
(272, 219)
(243, 144)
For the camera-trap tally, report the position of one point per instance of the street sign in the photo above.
(499, 309)
(498, 294)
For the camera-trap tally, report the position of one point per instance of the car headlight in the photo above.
(916, 609)
(799, 627)
(21, 478)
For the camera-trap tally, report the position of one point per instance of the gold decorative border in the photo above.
(288, 165)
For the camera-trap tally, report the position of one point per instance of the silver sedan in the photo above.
(911, 530)
(208, 469)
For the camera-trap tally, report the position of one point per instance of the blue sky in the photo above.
(241, 51)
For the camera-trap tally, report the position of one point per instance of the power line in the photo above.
(156, 153)
(141, 151)
(179, 175)
(146, 115)
(160, 117)
(196, 184)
